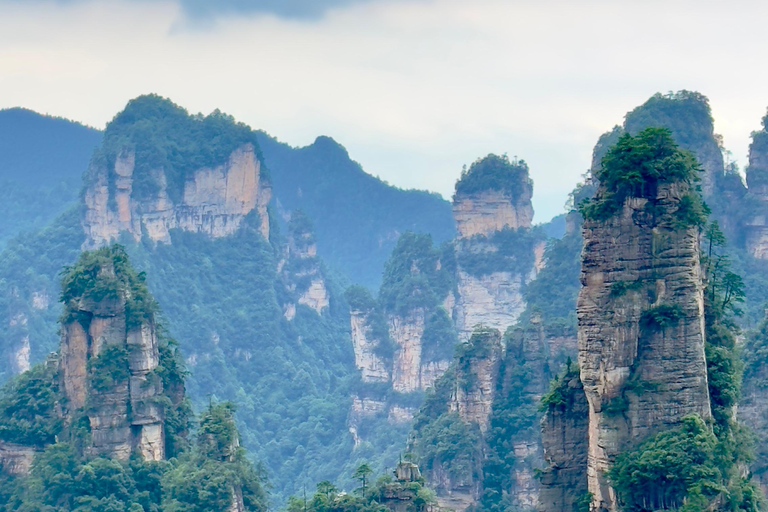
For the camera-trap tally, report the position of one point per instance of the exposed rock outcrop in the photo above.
(300, 268)
(756, 228)
(493, 300)
(492, 205)
(641, 324)
(565, 442)
(372, 367)
(214, 201)
(16, 459)
(489, 211)
(108, 354)
(477, 372)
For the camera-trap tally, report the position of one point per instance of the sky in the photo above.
(414, 89)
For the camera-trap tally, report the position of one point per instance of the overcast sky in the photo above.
(413, 88)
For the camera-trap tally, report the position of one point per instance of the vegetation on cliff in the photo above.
(417, 275)
(494, 173)
(635, 167)
(506, 250)
(211, 473)
(197, 481)
(163, 135)
(358, 217)
(404, 494)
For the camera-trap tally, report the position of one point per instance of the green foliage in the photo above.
(29, 267)
(665, 469)
(359, 298)
(42, 159)
(417, 275)
(620, 288)
(28, 407)
(757, 175)
(635, 167)
(662, 316)
(507, 250)
(109, 369)
(217, 438)
(221, 298)
(406, 496)
(439, 339)
(552, 295)
(449, 443)
(106, 274)
(165, 136)
(559, 391)
(357, 216)
(686, 114)
(494, 172)
(514, 418)
(62, 480)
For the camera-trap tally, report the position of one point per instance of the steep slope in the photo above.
(657, 354)
(42, 160)
(497, 251)
(358, 218)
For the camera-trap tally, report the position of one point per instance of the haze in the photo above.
(413, 89)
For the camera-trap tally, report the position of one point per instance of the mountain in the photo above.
(103, 423)
(42, 160)
(358, 218)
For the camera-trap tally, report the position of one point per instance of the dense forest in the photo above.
(323, 365)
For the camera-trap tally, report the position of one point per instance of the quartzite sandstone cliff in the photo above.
(632, 268)
(214, 201)
(106, 369)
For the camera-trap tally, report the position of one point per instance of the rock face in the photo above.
(372, 367)
(479, 371)
(493, 300)
(641, 325)
(565, 442)
(410, 371)
(494, 196)
(756, 229)
(106, 369)
(16, 459)
(486, 212)
(214, 201)
(300, 268)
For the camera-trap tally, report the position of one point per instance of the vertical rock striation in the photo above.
(565, 442)
(214, 200)
(756, 228)
(108, 357)
(477, 375)
(641, 307)
(495, 250)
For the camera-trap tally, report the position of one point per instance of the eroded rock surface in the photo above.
(641, 325)
(214, 201)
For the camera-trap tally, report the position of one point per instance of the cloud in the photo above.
(413, 89)
(209, 10)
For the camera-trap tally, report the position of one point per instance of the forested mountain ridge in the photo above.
(358, 218)
(42, 160)
(326, 379)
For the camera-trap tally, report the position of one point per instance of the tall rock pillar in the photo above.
(640, 309)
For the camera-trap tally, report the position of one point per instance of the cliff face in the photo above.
(756, 228)
(300, 268)
(372, 367)
(641, 326)
(477, 373)
(214, 200)
(496, 252)
(106, 370)
(489, 211)
(565, 442)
